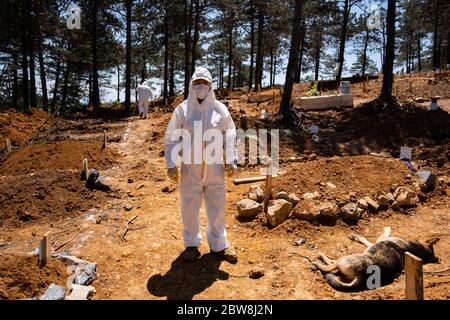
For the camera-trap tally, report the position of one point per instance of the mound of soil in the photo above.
(363, 175)
(19, 127)
(58, 156)
(44, 196)
(21, 277)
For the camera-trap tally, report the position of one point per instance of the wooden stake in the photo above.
(105, 140)
(8, 146)
(414, 277)
(268, 186)
(409, 85)
(44, 249)
(85, 169)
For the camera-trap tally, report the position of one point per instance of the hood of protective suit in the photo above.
(201, 73)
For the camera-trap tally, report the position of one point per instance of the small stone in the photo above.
(312, 156)
(408, 177)
(278, 211)
(330, 185)
(395, 206)
(390, 198)
(405, 197)
(85, 273)
(362, 203)
(80, 292)
(383, 200)
(282, 195)
(168, 189)
(350, 213)
(256, 272)
(24, 215)
(373, 205)
(130, 180)
(293, 198)
(256, 193)
(311, 195)
(54, 292)
(128, 207)
(102, 184)
(248, 208)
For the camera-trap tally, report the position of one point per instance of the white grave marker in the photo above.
(314, 129)
(406, 153)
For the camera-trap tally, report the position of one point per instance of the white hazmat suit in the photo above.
(145, 95)
(203, 180)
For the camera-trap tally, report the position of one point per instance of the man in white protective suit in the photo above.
(206, 129)
(145, 95)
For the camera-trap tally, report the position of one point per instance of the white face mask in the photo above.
(201, 91)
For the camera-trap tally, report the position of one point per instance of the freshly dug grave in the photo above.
(44, 196)
(21, 277)
(58, 156)
(21, 128)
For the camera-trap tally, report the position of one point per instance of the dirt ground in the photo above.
(147, 265)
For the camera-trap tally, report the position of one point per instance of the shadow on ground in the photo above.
(186, 279)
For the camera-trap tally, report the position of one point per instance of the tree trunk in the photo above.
(317, 55)
(259, 52)
(41, 59)
(230, 52)
(364, 58)
(55, 89)
(388, 76)
(172, 76)
(343, 39)
(15, 89)
(188, 7)
(31, 48)
(252, 45)
(118, 83)
(65, 87)
(95, 85)
(436, 34)
(300, 59)
(24, 45)
(293, 60)
(196, 34)
(128, 5)
(419, 54)
(271, 67)
(166, 53)
(144, 68)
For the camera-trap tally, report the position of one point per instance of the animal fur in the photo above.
(349, 273)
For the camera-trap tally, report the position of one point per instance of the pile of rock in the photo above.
(315, 208)
(279, 207)
(81, 274)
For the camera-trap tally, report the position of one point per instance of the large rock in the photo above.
(328, 211)
(54, 292)
(85, 274)
(80, 292)
(428, 177)
(102, 184)
(361, 203)
(278, 211)
(383, 200)
(351, 213)
(256, 194)
(405, 197)
(306, 210)
(248, 208)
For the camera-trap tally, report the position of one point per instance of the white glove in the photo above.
(231, 170)
(172, 173)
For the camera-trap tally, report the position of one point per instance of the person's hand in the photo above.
(172, 173)
(231, 170)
